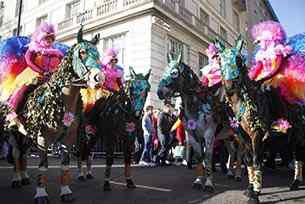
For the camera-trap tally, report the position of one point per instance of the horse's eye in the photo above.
(175, 73)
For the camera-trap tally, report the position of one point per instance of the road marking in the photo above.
(145, 187)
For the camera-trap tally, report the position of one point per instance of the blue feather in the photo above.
(297, 43)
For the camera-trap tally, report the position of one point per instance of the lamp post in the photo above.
(19, 17)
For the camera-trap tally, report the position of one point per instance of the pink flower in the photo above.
(234, 123)
(11, 116)
(130, 127)
(89, 129)
(191, 124)
(281, 125)
(68, 119)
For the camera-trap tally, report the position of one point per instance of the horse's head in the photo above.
(86, 60)
(177, 78)
(138, 89)
(231, 60)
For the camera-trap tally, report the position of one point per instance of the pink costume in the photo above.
(113, 74)
(41, 58)
(211, 74)
(277, 63)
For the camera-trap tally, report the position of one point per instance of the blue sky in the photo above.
(291, 14)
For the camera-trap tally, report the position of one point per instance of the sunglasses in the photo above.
(114, 60)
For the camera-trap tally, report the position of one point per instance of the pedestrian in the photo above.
(148, 132)
(165, 122)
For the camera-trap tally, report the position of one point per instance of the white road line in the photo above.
(145, 187)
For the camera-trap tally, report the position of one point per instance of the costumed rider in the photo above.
(42, 60)
(114, 74)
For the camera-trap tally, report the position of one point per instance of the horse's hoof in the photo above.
(130, 184)
(197, 186)
(295, 185)
(42, 200)
(248, 191)
(25, 181)
(209, 189)
(238, 179)
(89, 176)
(16, 184)
(107, 186)
(67, 198)
(81, 178)
(253, 199)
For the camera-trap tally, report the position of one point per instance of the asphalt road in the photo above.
(164, 185)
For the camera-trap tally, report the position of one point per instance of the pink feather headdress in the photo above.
(211, 51)
(110, 54)
(269, 30)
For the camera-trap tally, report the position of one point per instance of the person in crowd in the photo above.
(165, 122)
(148, 132)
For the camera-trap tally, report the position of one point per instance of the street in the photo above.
(166, 185)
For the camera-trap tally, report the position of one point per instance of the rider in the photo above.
(42, 59)
(114, 74)
(211, 74)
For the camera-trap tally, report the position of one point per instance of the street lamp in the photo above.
(19, 17)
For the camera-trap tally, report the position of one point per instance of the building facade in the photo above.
(144, 31)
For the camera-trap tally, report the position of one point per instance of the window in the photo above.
(222, 8)
(204, 17)
(41, 19)
(174, 48)
(223, 33)
(17, 8)
(236, 21)
(117, 42)
(72, 9)
(203, 60)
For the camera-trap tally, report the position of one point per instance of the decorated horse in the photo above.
(117, 118)
(49, 112)
(198, 115)
(279, 63)
(257, 113)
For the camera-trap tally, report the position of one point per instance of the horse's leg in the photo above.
(41, 196)
(109, 160)
(209, 137)
(128, 149)
(231, 151)
(197, 148)
(257, 145)
(298, 168)
(81, 162)
(16, 155)
(25, 180)
(65, 177)
(238, 170)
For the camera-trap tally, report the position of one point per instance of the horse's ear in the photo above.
(148, 74)
(219, 45)
(132, 72)
(80, 34)
(95, 39)
(169, 57)
(179, 58)
(239, 43)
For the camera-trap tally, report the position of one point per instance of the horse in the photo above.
(49, 113)
(117, 117)
(198, 115)
(252, 110)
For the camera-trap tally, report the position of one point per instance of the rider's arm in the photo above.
(29, 55)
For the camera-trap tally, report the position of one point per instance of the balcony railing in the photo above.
(112, 7)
